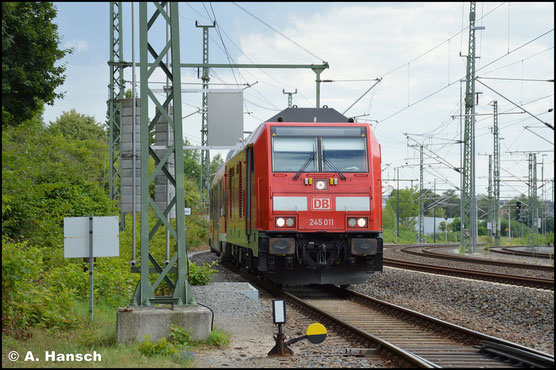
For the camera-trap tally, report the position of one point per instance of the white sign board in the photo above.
(187, 211)
(225, 117)
(106, 242)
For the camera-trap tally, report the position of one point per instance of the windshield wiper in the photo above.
(311, 158)
(329, 162)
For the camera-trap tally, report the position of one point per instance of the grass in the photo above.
(99, 336)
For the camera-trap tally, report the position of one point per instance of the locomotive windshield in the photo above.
(290, 153)
(319, 149)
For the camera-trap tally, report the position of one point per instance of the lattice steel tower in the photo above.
(116, 94)
(496, 178)
(151, 58)
(532, 208)
(205, 153)
(421, 199)
(468, 221)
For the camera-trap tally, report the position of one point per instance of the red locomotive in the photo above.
(301, 201)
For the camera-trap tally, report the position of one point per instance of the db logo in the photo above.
(321, 203)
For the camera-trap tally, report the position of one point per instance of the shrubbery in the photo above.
(28, 297)
(49, 173)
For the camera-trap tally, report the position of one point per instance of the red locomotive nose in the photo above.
(300, 201)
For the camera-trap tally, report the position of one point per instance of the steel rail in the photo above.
(524, 354)
(428, 252)
(411, 358)
(479, 275)
(506, 250)
(488, 350)
(487, 347)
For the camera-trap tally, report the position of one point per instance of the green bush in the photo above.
(113, 282)
(180, 336)
(201, 275)
(178, 346)
(218, 338)
(163, 347)
(28, 298)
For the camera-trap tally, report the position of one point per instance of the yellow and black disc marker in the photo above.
(316, 333)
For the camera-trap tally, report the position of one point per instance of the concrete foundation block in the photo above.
(134, 323)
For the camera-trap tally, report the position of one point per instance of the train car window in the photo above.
(291, 153)
(347, 154)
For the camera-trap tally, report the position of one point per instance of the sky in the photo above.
(417, 49)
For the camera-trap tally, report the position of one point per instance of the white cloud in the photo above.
(78, 45)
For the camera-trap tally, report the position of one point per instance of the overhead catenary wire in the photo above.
(531, 114)
(280, 33)
(443, 88)
(221, 31)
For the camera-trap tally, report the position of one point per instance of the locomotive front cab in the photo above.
(324, 225)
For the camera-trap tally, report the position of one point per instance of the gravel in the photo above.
(250, 325)
(518, 314)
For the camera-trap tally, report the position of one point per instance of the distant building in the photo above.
(429, 224)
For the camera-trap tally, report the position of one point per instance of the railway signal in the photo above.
(518, 211)
(316, 332)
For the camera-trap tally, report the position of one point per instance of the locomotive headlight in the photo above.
(290, 221)
(321, 184)
(280, 222)
(357, 221)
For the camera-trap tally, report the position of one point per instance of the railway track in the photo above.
(406, 337)
(409, 338)
(529, 281)
(471, 274)
(513, 252)
(433, 253)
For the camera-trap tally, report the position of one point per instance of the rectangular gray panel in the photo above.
(106, 238)
(353, 204)
(225, 117)
(289, 203)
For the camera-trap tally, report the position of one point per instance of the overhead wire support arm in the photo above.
(317, 68)
(528, 129)
(520, 107)
(365, 93)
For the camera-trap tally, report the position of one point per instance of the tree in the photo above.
(77, 126)
(456, 224)
(214, 164)
(192, 164)
(451, 203)
(29, 53)
(409, 206)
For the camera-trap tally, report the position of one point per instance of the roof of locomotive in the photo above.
(292, 114)
(295, 114)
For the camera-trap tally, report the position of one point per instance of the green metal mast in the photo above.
(205, 154)
(181, 291)
(496, 178)
(116, 93)
(466, 194)
(490, 197)
(533, 212)
(421, 199)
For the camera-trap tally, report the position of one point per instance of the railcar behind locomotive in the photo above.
(300, 202)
